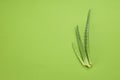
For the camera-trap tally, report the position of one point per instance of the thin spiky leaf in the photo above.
(86, 37)
(80, 44)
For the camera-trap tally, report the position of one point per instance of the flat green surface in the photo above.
(36, 39)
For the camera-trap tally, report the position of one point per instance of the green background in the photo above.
(36, 39)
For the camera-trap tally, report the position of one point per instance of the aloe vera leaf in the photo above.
(80, 44)
(86, 38)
